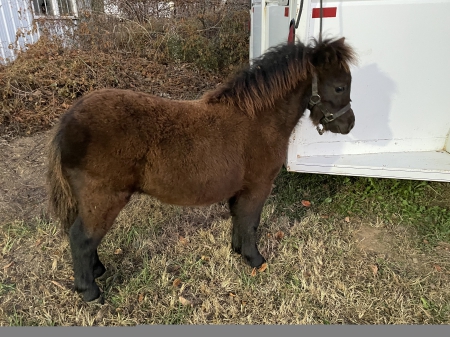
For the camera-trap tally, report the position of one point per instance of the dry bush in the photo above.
(179, 56)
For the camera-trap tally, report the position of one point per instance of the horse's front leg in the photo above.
(245, 208)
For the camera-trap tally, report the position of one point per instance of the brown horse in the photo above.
(228, 145)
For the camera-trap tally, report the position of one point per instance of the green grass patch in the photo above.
(422, 204)
(6, 287)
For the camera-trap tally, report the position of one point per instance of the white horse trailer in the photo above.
(399, 88)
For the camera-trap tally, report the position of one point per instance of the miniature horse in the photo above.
(228, 145)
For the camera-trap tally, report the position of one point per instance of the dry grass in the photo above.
(170, 265)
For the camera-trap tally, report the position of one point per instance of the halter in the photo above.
(315, 98)
(327, 116)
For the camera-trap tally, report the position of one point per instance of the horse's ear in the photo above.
(345, 53)
(341, 40)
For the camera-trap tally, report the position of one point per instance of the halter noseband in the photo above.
(327, 116)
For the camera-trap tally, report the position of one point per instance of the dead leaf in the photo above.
(141, 297)
(184, 301)
(38, 242)
(374, 269)
(347, 219)
(57, 284)
(176, 282)
(182, 240)
(279, 235)
(253, 273)
(205, 258)
(232, 295)
(118, 251)
(306, 203)
(438, 268)
(263, 267)
(324, 216)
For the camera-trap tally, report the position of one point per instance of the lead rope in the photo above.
(321, 16)
(315, 92)
(295, 23)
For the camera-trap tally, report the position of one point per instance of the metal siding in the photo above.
(17, 29)
(16, 23)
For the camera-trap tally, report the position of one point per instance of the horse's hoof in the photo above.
(91, 294)
(256, 261)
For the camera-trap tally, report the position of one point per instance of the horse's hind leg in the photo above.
(245, 210)
(95, 219)
(84, 258)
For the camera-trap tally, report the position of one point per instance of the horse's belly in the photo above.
(186, 192)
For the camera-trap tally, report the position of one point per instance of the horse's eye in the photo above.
(339, 89)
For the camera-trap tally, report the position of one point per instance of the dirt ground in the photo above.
(22, 178)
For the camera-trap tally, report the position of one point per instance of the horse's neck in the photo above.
(290, 109)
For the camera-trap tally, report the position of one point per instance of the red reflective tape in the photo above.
(286, 11)
(329, 12)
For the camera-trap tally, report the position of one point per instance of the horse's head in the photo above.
(331, 83)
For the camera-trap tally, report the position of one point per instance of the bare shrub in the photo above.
(180, 56)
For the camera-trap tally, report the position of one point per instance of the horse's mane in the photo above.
(277, 72)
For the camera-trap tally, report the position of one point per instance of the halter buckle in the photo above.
(315, 99)
(327, 118)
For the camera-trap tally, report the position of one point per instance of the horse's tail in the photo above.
(61, 199)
